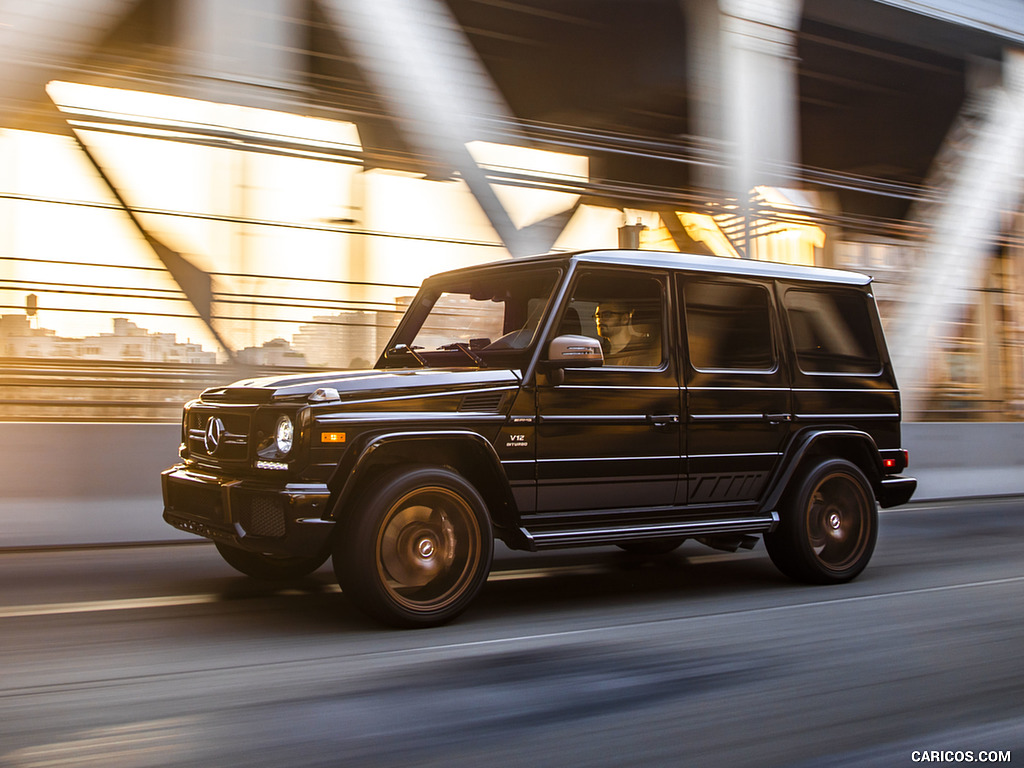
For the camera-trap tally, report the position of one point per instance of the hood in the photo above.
(357, 384)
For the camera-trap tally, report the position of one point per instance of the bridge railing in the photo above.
(122, 391)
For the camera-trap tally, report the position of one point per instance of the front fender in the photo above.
(467, 452)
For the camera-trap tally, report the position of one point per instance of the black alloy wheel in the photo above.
(416, 548)
(828, 525)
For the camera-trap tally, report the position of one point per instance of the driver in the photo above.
(625, 342)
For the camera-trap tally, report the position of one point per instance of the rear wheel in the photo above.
(416, 548)
(828, 525)
(269, 567)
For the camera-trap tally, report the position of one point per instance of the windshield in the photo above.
(484, 320)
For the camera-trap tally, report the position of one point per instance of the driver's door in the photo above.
(608, 437)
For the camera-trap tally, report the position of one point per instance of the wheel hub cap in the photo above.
(429, 549)
(419, 546)
(426, 548)
(839, 525)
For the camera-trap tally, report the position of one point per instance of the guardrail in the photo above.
(99, 483)
(115, 391)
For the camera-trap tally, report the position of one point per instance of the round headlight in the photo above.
(285, 434)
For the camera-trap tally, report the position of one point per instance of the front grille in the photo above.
(227, 441)
(203, 501)
(261, 515)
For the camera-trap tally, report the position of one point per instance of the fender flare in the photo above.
(373, 449)
(805, 442)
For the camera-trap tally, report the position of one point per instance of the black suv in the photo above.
(606, 397)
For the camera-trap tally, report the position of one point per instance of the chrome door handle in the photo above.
(662, 420)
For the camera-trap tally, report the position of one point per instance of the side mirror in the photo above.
(574, 352)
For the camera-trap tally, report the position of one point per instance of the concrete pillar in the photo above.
(743, 88)
(760, 94)
(241, 51)
(705, 89)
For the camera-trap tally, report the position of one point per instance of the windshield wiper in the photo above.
(464, 347)
(407, 350)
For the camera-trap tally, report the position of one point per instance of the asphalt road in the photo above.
(163, 656)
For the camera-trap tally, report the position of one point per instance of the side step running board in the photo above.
(586, 537)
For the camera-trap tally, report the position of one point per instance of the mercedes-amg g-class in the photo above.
(629, 398)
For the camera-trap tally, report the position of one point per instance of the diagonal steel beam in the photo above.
(419, 60)
(989, 181)
(40, 38)
(195, 283)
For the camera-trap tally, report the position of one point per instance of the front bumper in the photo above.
(277, 519)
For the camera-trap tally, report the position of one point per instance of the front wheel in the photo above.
(269, 567)
(416, 548)
(828, 525)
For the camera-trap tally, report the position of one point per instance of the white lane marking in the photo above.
(148, 744)
(56, 609)
(540, 573)
(128, 604)
(712, 615)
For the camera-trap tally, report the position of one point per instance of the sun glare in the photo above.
(254, 197)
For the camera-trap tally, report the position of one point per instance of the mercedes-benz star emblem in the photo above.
(214, 433)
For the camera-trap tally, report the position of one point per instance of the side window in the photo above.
(624, 312)
(728, 326)
(832, 331)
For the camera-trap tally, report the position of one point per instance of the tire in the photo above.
(828, 525)
(270, 567)
(651, 547)
(416, 548)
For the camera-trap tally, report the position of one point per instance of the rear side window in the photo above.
(832, 331)
(728, 326)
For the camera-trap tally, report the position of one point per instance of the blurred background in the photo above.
(196, 190)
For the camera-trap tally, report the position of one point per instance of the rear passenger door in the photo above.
(737, 389)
